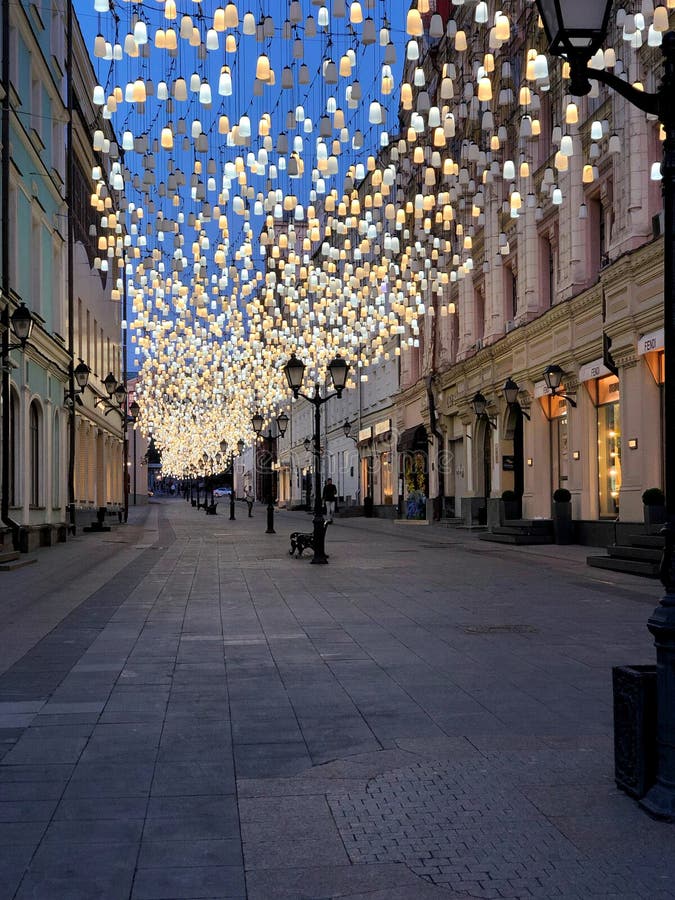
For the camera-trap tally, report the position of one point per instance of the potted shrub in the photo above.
(654, 507)
(562, 516)
(511, 506)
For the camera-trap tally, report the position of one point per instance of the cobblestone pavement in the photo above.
(187, 712)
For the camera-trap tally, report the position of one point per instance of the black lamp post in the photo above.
(282, 424)
(553, 376)
(294, 371)
(134, 410)
(576, 31)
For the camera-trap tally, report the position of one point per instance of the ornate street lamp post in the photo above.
(258, 422)
(575, 31)
(294, 371)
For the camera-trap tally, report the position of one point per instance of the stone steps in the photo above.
(12, 560)
(521, 531)
(641, 557)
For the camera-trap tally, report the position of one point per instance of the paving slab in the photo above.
(202, 716)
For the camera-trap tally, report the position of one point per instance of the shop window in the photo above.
(56, 463)
(387, 479)
(609, 446)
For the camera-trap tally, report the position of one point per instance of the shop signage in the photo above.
(365, 434)
(382, 427)
(540, 389)
(508, 463)
(596, 369)
(650, 342)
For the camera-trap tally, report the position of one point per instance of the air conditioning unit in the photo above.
(510, 325)
(657, 225)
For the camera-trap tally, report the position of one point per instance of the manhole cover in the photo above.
(500, 629)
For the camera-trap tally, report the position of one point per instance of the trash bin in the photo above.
(368, 507)
(635, 752)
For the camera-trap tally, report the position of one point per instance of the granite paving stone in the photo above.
(194, 714)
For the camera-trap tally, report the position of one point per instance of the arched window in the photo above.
(34, 457)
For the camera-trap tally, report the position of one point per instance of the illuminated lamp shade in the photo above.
(231, 16)
(230, 44)
(355, 13)
(219, 19)
(169, 9)
(414, 25)
(205, 93)
(509, 172)
(262, 69)
(99, 46)
(484, 90)
(180, 89)
(567, 145)
(322, 17)
(571, 114)
(557, 197)
(140, 32)
(375, 113)
(212, 39)
(655, 172)
(98, 96)
(412, 50)
(481, 13)
(460, 42)
(587, 176)
(596, 131)
(502, 27)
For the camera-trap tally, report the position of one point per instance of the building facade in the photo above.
(35, 230)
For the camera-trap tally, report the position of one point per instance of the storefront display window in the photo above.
(609, 446)
(387, 479)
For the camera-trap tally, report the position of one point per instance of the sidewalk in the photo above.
(188, 712)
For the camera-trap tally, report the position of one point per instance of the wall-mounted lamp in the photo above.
(576, 454)
(553, 376)
(632, 443)
(346, 430)
(530, 461)
(21, 323)
(511, 393)
(479, 404)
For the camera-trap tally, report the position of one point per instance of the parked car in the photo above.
(222, 492)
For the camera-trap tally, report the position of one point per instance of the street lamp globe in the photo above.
(22, 323)
(347, 428)
(307, 443)
(282, 423)
(240, 446)
(339, 369)
(81, 373)
(479, 404)
(294, 370)
(511, 391)
(553, 376)
(575, 30)
(223, 446)
(120, 394)
(257, 422)
(134, 410)
(110, 383)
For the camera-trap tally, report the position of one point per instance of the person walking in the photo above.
(248, 497)
(329, 497)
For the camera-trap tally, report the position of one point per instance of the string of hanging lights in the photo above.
(355, 208)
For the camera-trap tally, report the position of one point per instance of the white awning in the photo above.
(596, 369)
(652, 341)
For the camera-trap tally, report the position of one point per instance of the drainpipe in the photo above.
(4, 212)
(70, 177)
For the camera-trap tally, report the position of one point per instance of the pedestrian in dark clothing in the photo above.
(329, 497)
